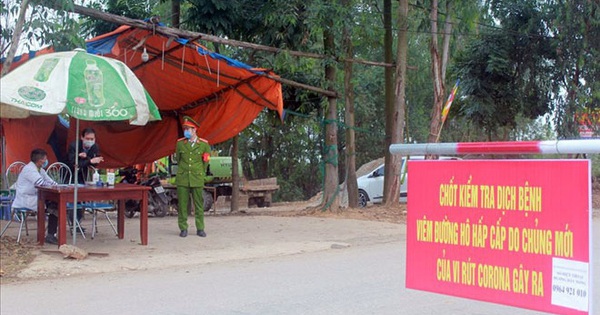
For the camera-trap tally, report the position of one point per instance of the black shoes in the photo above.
(51, 239)
(199, 233)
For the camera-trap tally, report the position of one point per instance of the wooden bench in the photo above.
(259, 191)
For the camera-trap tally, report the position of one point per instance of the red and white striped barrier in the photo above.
(587, 146)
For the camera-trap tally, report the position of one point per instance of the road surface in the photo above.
(346, 280)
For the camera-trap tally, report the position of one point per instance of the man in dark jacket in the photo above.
(89, 154)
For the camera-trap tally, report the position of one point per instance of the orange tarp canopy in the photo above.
(183, 78)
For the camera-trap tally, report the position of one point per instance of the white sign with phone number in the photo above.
(570, 284)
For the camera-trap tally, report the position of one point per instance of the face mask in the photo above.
(45, 164)
(88, 143)
(187, 134)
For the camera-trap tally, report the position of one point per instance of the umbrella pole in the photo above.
(3, 167)
(74, 230)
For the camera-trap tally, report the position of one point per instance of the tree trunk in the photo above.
(446, 42)
(330, 154)
(390, 117)
(436, 69)
(351, 183)
(14, 44)
(235, 176)
(399, 105)
(175, 12)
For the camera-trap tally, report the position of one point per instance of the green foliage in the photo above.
(533, 129)
(290, 152)
(59, 29)
(595, 167)
(268, 22)
(268, 148)
(212, 16)
(135, 9)
(43, 27)
(503, 73)
(517, 61)
(419, 89)
(542, 57)
(576, 72)
(5, 31)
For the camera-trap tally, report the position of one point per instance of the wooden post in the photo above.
(235, 176)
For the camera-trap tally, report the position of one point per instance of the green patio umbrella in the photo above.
(79, 84)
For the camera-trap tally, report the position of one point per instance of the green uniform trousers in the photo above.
(183, 196)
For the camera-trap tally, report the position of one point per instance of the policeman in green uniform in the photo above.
(193, 154)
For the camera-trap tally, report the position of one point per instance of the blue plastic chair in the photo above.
(94, 207)
(6, 198)
(100, 207)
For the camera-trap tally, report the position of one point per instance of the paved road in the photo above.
(247, 265)
(354, 280)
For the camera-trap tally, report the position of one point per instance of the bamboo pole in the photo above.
(174, 32)
(328, 93)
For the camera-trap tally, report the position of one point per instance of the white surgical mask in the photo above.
(88, 143)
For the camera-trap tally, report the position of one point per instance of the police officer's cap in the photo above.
(189, 122)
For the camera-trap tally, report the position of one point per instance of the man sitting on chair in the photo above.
(33, 174)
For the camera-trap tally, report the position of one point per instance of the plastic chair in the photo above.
(18, 214)
(6, 198)
(60, 173)
(95, 207)
(100, 207)
(12, 173)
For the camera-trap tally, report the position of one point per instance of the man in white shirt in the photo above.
(33, 174)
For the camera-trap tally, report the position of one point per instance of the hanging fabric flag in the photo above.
(449, 102)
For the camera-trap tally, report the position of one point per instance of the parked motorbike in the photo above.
(158, 201)
(129, 175)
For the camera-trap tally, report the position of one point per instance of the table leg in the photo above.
(121, 219)
(62, 221)
(41, 214)
(144, 218)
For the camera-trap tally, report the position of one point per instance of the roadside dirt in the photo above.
(371, 213)
(16, 257)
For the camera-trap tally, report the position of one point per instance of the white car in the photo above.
(370, 186)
